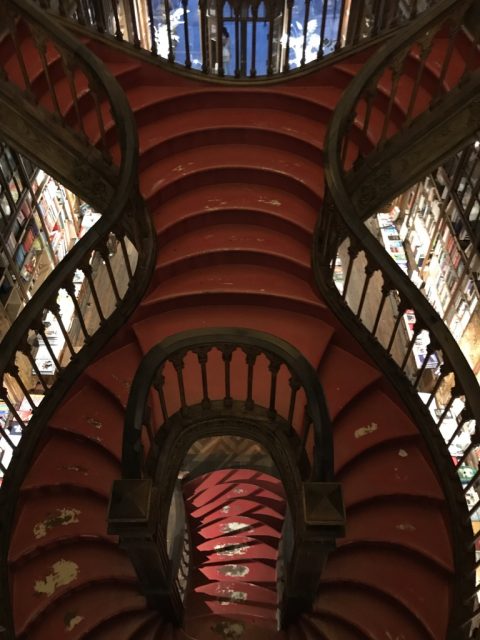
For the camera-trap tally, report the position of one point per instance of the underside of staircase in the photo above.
(233, 178)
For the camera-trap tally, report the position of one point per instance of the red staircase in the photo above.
(234, 181)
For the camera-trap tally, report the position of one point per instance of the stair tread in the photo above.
(391, 572)
(115, 371)
(222, 493)
(227, 590)
(233, 117)
(370, 420)
(276, 203)
(221, 476)
(236, 156)
(250, 507)
(238, 279)
(328, 627)
(67, 461)
(240, 626)
(57, 571)
(240, 524)
(226, 242)
(124, 625)
(403, 471)
(93, 414)
(231, 549)
(402, 522)
(56, 517)
(83, 610)
(343, 377)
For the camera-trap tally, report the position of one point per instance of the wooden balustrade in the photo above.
(390, 111)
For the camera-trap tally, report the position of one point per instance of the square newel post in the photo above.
(133, 516)
(324, 514)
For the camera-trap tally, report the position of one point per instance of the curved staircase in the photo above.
(234, 181)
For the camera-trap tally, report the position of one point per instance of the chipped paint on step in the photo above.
(63, 572)
(365, 431)
(63, 517)
(71, 620)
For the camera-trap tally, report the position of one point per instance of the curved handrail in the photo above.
(227, 340)
(119, 218)
(343, 243)
(165, 415)
(120, 247)
(261, 40)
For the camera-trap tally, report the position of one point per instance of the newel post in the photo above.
(133, 516)
(324, 514)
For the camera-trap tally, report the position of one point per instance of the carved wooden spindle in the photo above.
(274, 368)
(11, 407)
(425, 44)
(104, 251)
(430, 350)
(151, 27)
(202, 356)
(321, 52)
(99, 13)
(81, 13)
(121, 239)
(12, 28)
(158, 385)
(14, 371)
(401, 308)
(188, 61)
(88, 272)
(219, 4)
(27, 349)
(171, 54)
(147, 424)
(286, 64)
(445, 370)
(352, 251)
(178, 364)
(454, 29)
(455, 392)
(253, 66)
(236, 5)
(385, 291)
(295, 385)
(70, 289)
(227, 352)
(68, 61)
(54, 308)
(271, 10)
(40, 329)
(465, 416)
(95, 92)
(202, 6)
(345, 144)
(356, 21)
(307, 423)
(369, 271)
(251, 355)
(118, 28)
(396, 68)
(305, 31)
(418, 328)
(41, 45)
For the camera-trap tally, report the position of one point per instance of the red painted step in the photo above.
(234, 181)
(59, 516)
